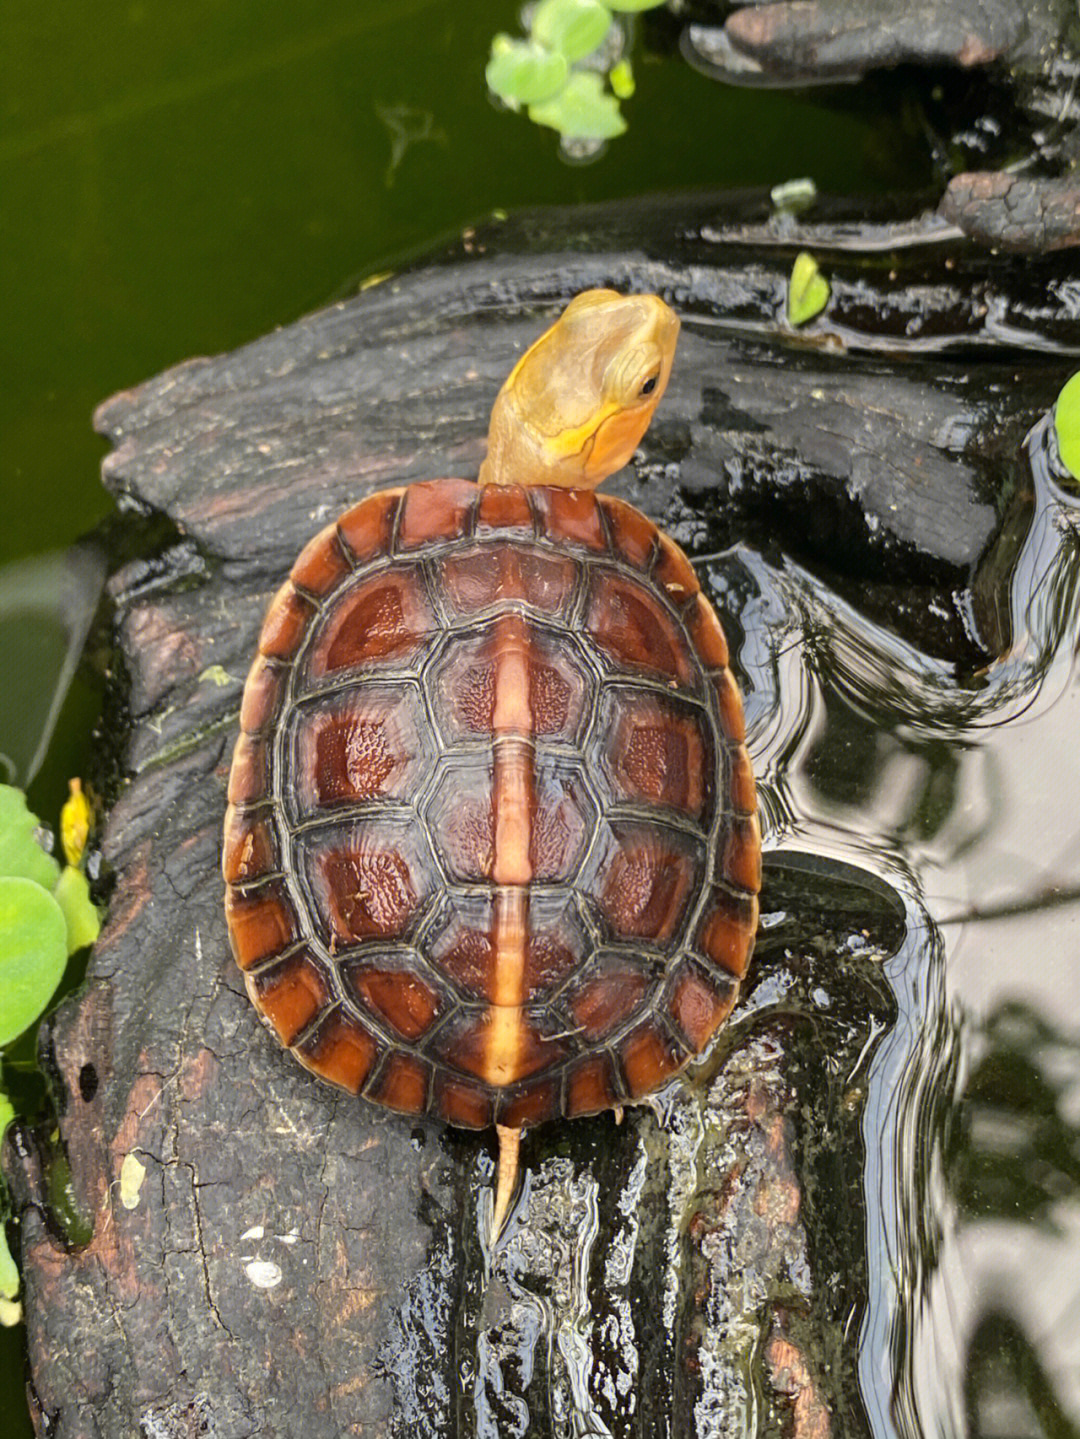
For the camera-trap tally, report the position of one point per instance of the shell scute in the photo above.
(674, 573)
(403, 1082)
(436, 510)
(632, 626)
(340, 1050)
(291, 993)
(573, 516)
(262, 923)
(368, 880)
(365, 745)
(322, 564)
(698, 1004)
(250, 849)
(649, 1055)
(367, 530)
(634, 537)
(656, 750)
(385, 617)
(645, 882)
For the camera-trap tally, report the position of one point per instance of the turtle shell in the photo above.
(492, 850)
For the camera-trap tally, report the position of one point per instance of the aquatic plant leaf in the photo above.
(1067, 425)
(633, 6)
(521, 72)
(20, 853)
(808, 290)
(621, 79)
(582, 110)
(573, 27)
(72, 894)
(33, 953)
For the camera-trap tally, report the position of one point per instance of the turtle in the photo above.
(491, 850)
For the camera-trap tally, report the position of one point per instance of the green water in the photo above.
(176, 180)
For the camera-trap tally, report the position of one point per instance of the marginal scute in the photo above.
(435, 510)
(506, 509)
(339, 1050)
(727, 928)
(699, 1003)
(250, 848)
(249, 777)
(263, 695)
(492, 850)
(633, 535)
(649, 1056)
(402, 1083)
(461, 1101)
(367, 530)
(534, 1105)
(706, 632)
(572, 516)
(262, 923)
(286, 623)
(321, 565)
(291, 993)
(674, 572)
(591, 1086)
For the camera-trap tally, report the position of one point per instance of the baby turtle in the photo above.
(492, 850)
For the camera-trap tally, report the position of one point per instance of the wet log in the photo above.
(1023, 53)
(215, 1243)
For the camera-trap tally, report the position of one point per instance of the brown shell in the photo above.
(492, 849)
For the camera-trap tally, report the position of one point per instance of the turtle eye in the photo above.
(649, 385)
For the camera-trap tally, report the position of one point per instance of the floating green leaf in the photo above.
(1067, 425)
(72, 894)
(521, 72)
(582, 110)
(633, 5)
(33, 952)
(20, 853)
(808, 290)
(575, 28)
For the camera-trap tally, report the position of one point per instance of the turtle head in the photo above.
(579, 400)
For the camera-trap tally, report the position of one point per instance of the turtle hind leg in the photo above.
(506, 1177)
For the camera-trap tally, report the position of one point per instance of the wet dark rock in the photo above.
(247, 1252)
(1027, 51)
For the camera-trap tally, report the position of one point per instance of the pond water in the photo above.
(179, 182)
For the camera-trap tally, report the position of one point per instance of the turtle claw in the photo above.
(506, 1177)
